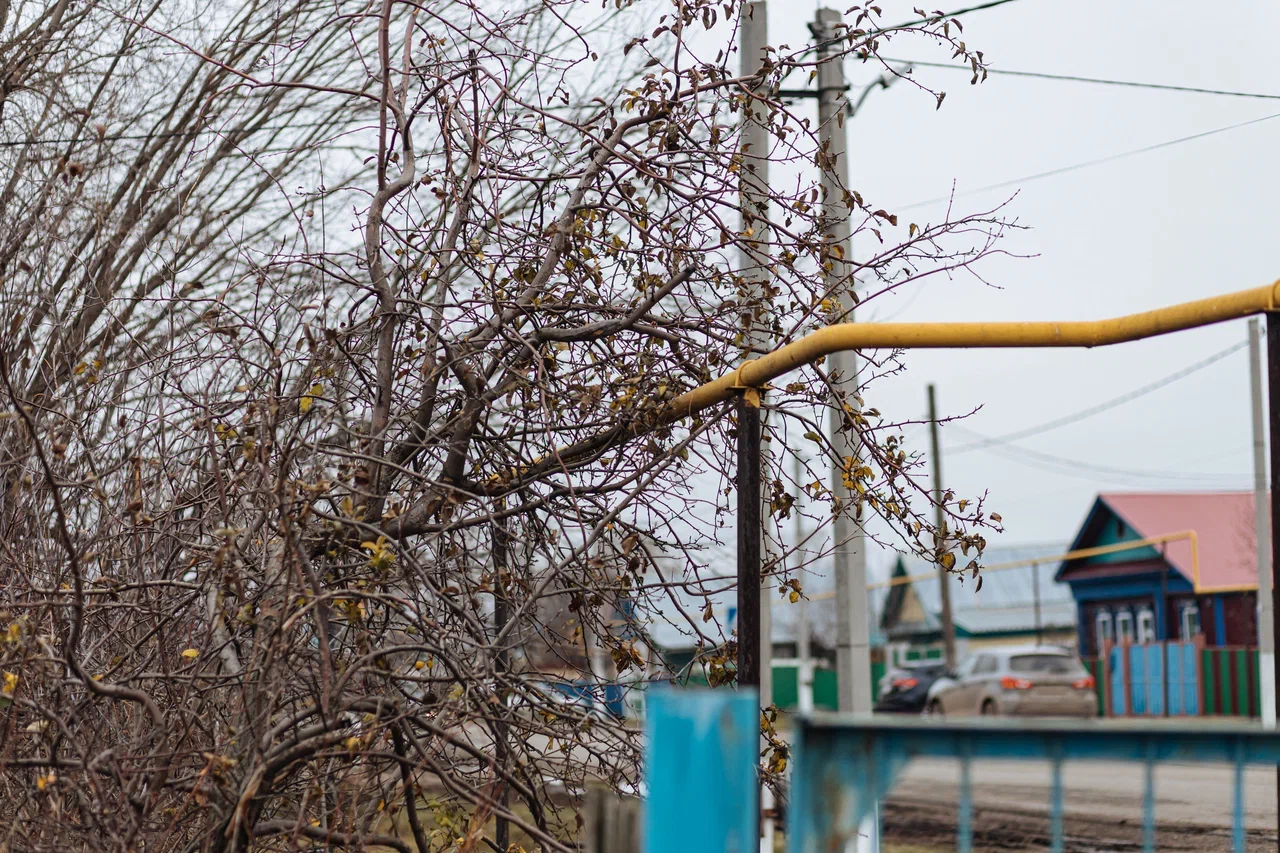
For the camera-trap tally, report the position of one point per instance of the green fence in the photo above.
(1229, 682)
(786, 686)
(917, 654)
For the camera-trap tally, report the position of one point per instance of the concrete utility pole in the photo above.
(754, 262)
(1273, 394)
(1262, 528)
(940, 522)
(804, 673)
(853, 652)
(849, 557)
(755, 641)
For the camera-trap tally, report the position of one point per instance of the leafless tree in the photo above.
(337, 341)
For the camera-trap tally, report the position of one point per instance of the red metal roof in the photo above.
(1223, 522)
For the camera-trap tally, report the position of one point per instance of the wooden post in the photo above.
(611, 823)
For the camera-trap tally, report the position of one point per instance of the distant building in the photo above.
(674, 622)
(1167, 590)
(1002, 612)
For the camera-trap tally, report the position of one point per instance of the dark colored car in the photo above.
(906, 690)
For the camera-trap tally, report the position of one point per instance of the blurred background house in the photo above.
(1019, 602)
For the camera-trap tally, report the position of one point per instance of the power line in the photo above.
(930, 20)
(172, 134)
(1086, 164)
(1089, 470)
(1075, 417)
(1073, 78)
(954, 14)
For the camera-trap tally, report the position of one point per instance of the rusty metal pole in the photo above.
(749, 527)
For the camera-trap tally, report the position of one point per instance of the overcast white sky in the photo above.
(1186, 222)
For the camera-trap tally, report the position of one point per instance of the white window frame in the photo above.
(1146, 626)
(1189, 609)
(1104, 629)
(1124, 627)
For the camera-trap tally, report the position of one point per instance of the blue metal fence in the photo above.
(703, 753)
(701, 768)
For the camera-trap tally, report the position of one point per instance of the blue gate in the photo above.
(1148, 688)
(703, 757)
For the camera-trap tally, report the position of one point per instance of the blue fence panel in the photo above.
(1177, 699)
(702, 760)
(843, 766)
(703, 782)
(1146, 678)
(1137, 680)
(1191, 678)
(1154, 666)
(1148, 690)
(1119, 695)
(1184, 697)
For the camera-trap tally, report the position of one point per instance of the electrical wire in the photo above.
(886, 30)
(1076, 417)
(1072, 78)
(170, 134)
(956, 13)
(1086, 164)
(1088, 470)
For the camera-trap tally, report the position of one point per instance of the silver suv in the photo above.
(1028, 681)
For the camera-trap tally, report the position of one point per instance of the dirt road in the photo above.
(1103, 807)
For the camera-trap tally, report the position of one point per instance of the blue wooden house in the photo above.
(1201, 578)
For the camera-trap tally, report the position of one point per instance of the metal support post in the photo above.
(749, 524)
(749, 598)
(1273, 394)
(1262, 527)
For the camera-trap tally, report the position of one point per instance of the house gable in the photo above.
(904, 612)
(1103, 527)
(912, 611)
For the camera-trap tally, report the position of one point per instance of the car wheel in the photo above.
(989, 708)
